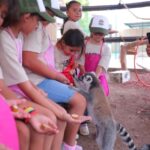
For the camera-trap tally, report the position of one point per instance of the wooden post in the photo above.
(129, 49)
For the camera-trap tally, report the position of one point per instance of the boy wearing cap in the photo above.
(97, 53)
(38, 58)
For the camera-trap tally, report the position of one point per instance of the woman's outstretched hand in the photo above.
(74, 118)
(43, 124)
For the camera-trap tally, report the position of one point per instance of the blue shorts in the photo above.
(57, 91)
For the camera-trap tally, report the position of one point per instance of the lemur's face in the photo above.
(87, 81)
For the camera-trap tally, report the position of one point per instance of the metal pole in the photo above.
(113, 7)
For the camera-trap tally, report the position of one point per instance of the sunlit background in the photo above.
(128, 22)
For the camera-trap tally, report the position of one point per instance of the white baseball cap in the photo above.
(99, 24)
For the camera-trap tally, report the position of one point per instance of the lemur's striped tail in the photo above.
(125, 136)
(145, 147)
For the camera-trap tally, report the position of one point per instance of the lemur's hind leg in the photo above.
(107, 135)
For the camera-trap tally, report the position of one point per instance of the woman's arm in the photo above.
(5, 91)
(32, 62)
(59, 111)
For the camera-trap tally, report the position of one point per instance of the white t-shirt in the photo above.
(37, 41)
(105, 54)
(13, 71)
(72, 25)
(61, 60)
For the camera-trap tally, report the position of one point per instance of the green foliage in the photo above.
(84, 22)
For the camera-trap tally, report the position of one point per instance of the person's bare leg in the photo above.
(36, 140)
(48, 139)
(77, 105)
(24, 135)
(48, 142)
(58, 139)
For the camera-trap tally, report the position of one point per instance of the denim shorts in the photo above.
(57, 91)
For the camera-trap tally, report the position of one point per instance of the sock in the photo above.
(68, 147)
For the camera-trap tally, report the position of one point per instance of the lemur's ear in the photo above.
(93, 73)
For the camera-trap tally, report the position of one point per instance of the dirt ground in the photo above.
(130, 103)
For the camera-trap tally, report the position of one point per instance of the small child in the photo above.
(74, 13)
(67, 51)
(97, 53)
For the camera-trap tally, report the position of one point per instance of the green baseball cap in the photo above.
(35, 6)
(53, 6)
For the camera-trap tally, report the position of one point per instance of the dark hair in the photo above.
(13, 14)
(73, 38)
(68, 5)
(6, 2)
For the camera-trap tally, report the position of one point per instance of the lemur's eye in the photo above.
(81, 78)
(89, 78)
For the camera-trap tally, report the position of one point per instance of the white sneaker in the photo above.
(84, 130)
(77, 147)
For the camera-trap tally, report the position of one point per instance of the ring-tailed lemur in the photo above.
(100, 111)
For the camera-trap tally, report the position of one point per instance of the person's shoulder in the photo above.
(57, 54)
(57, 51)
(4, 33)
(71, 23)
(55, 48)
(5, 37)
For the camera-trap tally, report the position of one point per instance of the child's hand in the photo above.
(43, 124)
(63, 115)
(16, 110)
(74, 118)
(61, 78)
